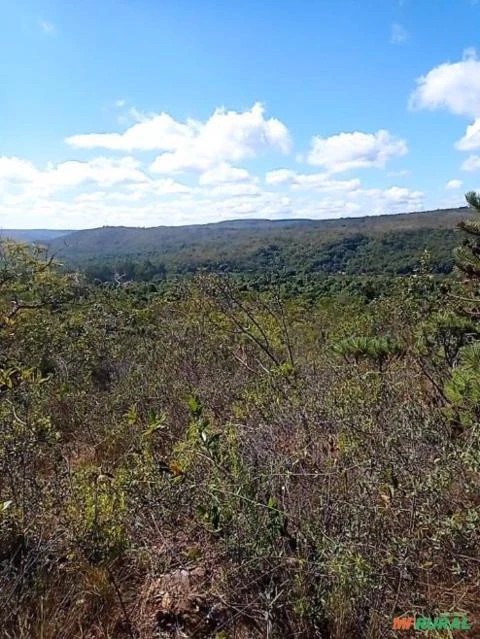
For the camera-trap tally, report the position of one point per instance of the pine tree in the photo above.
(467, 258)
(463, 388)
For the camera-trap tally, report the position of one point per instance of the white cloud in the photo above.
(227, 136)
(472, 163)
(402, 195)
(318, 182)
(355, 150)
(14, 169)
(310, 181)
(138, 191)
(395, 199)
(328, 208)
(451, 185)
(156, 188)
(235, 190)
(104, 171)
(158, 132)
(21, 179)
(362, 202)
(47, 27)
(344, 197)
(121, 190)
(471, 139)
(224, 173)
(398, 35)
(280, 176)
(456, 88)
(452, 86)
(165, 201)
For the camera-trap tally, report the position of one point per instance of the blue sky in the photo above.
(143, 112)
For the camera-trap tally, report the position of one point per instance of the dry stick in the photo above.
(412, 513)
(282, 324)
(397, 594)
(266, 345)
(122, 604)
(252, 337)
(462, 299)
(285, 330)
(432, 381)
(231, 297)
(266, 349)
(242, 362)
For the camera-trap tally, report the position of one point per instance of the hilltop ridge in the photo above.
(369, 244)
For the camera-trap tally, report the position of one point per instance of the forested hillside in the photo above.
(389, 244)
(206, 460)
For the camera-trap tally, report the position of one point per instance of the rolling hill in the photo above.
(375, 244)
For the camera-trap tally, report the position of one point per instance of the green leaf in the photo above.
(272, 502)
(195, 406)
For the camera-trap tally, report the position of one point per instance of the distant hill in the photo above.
(32, 235)
(124, 240)
(374, 244)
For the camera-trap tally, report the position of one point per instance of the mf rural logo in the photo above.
(444, 621)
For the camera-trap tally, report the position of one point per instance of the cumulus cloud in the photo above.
(227, 136)
(166, 201)
(105, 171)
(452, 185)
(14, 169)
(362, 202)
(395, 199)
(279, 176)
(20, 179)
(150, 134)
(355, 150)
(403, 196)
(156, 188)
(451, 86)
(472, 163)
(398, 35)
(123, 190)
(234, 190)
(344, 197)
(310, 181)
(471, 139)
(454, 87)
(224, 173)
(329, 207)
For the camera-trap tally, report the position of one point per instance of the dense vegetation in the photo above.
(205, 459)
(389, 244)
